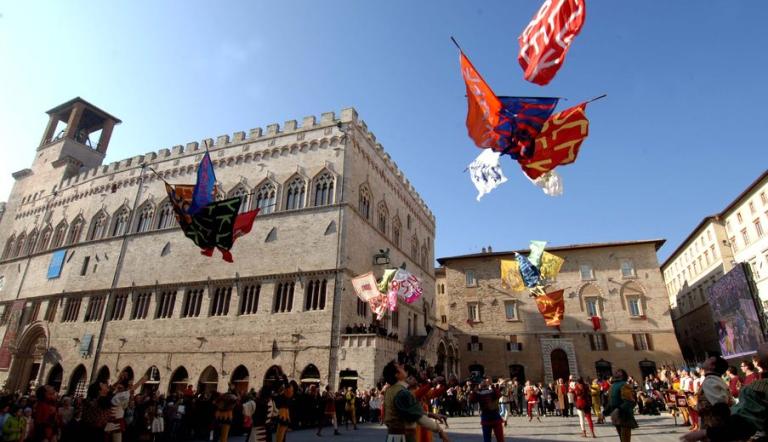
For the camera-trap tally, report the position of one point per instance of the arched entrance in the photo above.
(103, 374)
(55, 377)
(273, 376)
(209, 380)
(310, 375)
(179, 380)
(441, 356)
(153, 380)
(128, 373)
(240, 379)
(78, 382)
(476, 373)
(604, 369)
(517, 371)
(647, 368)
(347, 378)
(28, 359)
(560, 368)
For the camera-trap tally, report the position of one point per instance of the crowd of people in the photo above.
(716, 401)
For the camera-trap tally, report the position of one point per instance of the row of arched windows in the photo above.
(420, 255)
(149, 217)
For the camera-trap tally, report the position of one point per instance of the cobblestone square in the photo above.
(465, 429)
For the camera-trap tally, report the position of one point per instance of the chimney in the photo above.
(490, 250)
(483, 249)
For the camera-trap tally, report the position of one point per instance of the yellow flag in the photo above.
(550, 265)
(510, 276)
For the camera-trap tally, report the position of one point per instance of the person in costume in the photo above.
(622, 404)
(350, 407)
(747, 420)
(225, 405)
(583, 403)
(488, 398)
(402, 412)
(263, 413)
(328, 402)
(283, 402)
(532, 398)
(597, 406)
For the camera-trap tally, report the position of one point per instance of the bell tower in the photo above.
(77, 136)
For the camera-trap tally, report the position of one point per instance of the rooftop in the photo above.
(656, 242)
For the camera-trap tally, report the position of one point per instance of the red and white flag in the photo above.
(546, 39)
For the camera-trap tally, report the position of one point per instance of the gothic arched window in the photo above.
(19, 246)
(98, 226)
(324, 189)
(144, 223)
(165, 217)
(266, 197)
(45, 238)
(120, 223)
(295, 194)
(383, 214)
(365, 202)
(245, 197)
(8, 247)
(31, 241)
(396, 228)
(75, 230)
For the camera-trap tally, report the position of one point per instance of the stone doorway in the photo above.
(559, 357)
(560, 368)
(28, 358)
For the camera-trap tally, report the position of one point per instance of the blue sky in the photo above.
(679, 136)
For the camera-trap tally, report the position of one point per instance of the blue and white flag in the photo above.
(486, 172)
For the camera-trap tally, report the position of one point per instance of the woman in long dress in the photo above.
(562, 390)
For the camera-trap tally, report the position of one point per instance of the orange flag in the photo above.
(558, 142)
(552, 307)
(483, 107)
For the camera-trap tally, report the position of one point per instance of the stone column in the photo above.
(48, 134)
(106, 134)
(74, 119)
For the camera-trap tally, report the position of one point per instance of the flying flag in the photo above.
(530, 274)
(205, 187)
(520, 122)
(559, 141)
(483, 107)
(550, 266)
(213, 227)
(406, 286)
(550, 183)
(510, 276)
(486, 173)
(386, 278)
(552, 307)
(537, 249)
(546, 39)
(365, 287)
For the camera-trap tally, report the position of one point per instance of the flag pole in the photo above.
(596, 98)
(456, 43)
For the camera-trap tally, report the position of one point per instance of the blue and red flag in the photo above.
(520, 122)
(205, 188)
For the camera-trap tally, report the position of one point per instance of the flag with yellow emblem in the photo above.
(552, 307)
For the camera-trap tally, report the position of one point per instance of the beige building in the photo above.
(502, 333)
(96, 277)
(737, 234)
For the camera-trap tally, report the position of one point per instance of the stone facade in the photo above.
(133, 292)
(737, 234)
(501, 332)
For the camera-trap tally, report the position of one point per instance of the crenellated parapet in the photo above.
(255, 145)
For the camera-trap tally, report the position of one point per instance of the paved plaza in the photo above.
(465, 429)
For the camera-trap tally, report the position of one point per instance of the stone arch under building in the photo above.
(209, 380)
(152, 383)
(440, 368)
(179, 380)
(310, 375)
(28, 358)
(128, 373)
(273, 375)
(78, 382)
(55, 377)
(240, 379)
(103, 374)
